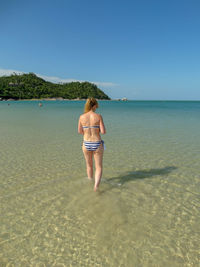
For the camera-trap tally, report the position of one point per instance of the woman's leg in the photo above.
(89, 162)
(98, 157)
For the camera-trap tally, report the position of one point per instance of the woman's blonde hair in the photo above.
(90, 103)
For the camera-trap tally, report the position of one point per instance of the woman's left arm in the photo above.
(80, 128)
(102, 126)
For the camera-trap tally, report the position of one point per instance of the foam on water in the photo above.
(147, 211)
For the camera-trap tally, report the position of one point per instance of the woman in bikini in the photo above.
(90, 125)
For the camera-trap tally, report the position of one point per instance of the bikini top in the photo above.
(95, 126)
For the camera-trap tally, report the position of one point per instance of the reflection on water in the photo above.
(145, 214)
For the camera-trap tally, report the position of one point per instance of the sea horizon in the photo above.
(113, 99)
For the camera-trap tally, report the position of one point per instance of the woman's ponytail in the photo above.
(90, 103)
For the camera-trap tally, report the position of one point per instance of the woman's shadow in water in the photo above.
(137, 175)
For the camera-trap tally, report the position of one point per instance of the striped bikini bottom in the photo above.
(93, 145)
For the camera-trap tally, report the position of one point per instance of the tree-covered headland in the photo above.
(30, 86)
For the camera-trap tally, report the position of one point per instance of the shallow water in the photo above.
(147, 211)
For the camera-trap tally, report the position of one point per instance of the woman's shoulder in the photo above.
(83, 115)
(97, 114)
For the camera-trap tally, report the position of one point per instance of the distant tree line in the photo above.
(28, 86)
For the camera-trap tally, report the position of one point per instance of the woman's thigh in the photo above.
(87, 155)
(98, 156)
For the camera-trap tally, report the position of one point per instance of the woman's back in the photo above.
(91, 123)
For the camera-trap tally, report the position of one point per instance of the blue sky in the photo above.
(135, 49)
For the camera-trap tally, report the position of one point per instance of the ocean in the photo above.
(147, 211)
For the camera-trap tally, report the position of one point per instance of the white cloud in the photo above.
(6, 72)
(105, 84)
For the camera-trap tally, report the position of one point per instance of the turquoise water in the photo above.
(147, 212)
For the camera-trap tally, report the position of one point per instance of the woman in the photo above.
(91, 125)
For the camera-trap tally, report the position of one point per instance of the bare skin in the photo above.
(92, 134)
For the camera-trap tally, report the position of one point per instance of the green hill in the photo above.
(28, 86)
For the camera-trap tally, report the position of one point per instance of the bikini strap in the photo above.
(95, 126)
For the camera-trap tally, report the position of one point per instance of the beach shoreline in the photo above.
(52, 99)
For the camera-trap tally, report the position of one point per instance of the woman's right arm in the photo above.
(102, 126)
(80, 128)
